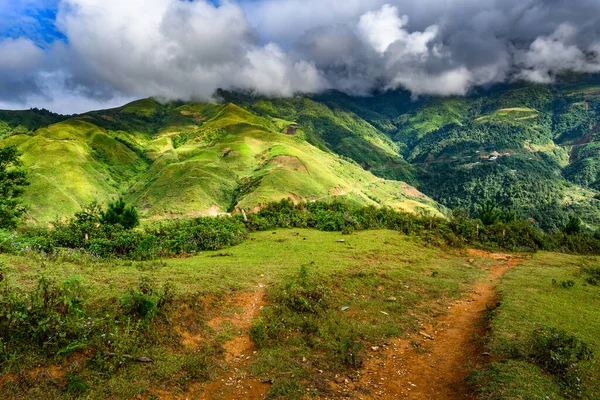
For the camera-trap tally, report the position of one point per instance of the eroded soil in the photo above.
(235, 383)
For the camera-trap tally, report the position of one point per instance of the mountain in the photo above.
(177, 160)
(533, 148)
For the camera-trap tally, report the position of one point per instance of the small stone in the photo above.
(374, 348)
(391, 299)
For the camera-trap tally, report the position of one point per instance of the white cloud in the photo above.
(117, 49)
(556, 53)
(19, 55)
(383, 27)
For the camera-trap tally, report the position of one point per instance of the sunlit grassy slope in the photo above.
(533, 148)
(189, 159)
(72, 163)
(533, 297)
(231, 158)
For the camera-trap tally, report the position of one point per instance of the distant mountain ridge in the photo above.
(534, 148)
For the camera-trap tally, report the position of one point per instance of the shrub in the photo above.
(145, 301)
(85, 232)
(52, 317)
(304, 294)
(560, 353)
(573, 225)
(592, 275)
(350, 348)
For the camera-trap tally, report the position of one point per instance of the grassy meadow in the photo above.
(361, 273)
(549, 290)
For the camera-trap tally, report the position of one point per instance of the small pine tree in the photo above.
(489, 213)
(120, 213)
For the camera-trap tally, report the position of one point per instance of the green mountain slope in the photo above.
(189, 159)
(534, 148)
(529, 147)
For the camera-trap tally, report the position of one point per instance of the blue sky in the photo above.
(109, 51)
(35, 20)
(31, 19)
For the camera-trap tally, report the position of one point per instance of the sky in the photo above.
(72, 56)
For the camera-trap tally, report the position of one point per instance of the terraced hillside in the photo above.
(189, 159)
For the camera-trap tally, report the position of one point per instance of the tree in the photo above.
(508, 215)
(120, 213)
(13, 180)
(490, 213)
(573, 226)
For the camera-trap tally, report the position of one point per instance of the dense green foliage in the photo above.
(85, 232)
(13, 180)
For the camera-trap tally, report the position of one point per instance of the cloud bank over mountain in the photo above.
(106, 51)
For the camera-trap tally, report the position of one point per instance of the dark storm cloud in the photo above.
(185, 50)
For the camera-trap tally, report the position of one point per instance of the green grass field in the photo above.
(360, 273)
(326, 299)
(530, 300)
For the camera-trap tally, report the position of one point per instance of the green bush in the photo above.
(592, 275)
(145, 300)
(560, 354)
(55, 319)
(51, 317)
(85, 234)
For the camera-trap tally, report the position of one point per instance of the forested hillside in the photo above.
(531, 148)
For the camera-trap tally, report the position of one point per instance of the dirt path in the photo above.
(235, 384)
(435, 363)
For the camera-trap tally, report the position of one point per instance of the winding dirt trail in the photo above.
(449, 350)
